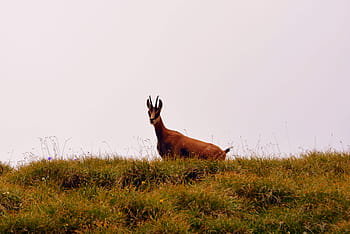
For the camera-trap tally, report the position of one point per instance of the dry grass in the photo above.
(306, 194)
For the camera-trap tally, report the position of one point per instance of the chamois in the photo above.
(174, 144)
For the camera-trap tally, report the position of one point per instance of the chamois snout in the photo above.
(154, 111)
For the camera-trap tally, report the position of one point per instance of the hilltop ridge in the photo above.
(298, 194)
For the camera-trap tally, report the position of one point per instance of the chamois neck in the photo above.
(160, 128)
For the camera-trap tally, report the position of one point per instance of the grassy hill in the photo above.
(308, 194)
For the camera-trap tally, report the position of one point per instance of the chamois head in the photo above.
(154, 111)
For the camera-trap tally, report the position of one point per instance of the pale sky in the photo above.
(268, 76)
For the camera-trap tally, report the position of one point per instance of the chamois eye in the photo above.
(149, 113)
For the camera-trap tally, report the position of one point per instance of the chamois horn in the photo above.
(150, 101)
(156, 106)
(160, 104)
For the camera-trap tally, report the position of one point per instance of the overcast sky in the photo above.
(269, 76)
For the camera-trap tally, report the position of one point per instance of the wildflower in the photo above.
(49, 158)
(143, 182)
(161, 201)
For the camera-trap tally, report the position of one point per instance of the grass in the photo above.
(308, 194)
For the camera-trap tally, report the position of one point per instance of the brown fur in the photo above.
(174, 144)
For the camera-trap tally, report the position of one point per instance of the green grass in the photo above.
(308, 194)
